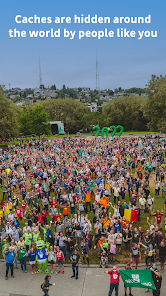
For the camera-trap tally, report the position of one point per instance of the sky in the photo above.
(122, 61)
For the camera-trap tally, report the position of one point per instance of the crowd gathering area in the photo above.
(104, 197)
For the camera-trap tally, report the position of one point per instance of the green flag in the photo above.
(137, 278)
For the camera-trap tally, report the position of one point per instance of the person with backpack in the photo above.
(46, 284)
(114, 280)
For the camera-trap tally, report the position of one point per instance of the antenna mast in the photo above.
(40, 77)
(97, 75)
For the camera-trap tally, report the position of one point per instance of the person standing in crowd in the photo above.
(75, 259)
(60, 259)
(22, 257)
(128, 266)
(10, 260)
(135, 255)
(157, 279)
(162, 255)
(114, 280)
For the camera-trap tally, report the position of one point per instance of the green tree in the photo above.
(91, 119)
(8, 118)
(25, 121)
(154, 107)
(40, 121)
(69, 111)
(53, 87)
(126, 111)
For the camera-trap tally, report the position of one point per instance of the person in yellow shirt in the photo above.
(6, 210)
(21, 242)
(7, 171)
(1, 214)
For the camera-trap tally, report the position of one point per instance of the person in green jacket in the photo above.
(27, 237)
(22, 258)
(35, 236)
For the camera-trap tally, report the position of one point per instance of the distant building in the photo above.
(53, 95)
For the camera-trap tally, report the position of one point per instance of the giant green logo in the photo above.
(105, 130)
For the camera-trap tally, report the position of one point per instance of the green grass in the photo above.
(137, 132)
(75, 135)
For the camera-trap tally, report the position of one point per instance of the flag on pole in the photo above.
(137, 278)
(131, 215)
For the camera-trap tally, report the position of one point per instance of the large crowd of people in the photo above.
(72, 193)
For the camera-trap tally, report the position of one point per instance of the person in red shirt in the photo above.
(158, 216)
(60, 259)
(18, 212)
(40, 218)
(24, 206)
(57, 215)
(44, 213)
(114, 280)
(53, 202)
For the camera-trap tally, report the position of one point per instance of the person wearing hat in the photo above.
(5, 245)
(158, 216)
(21, 242)
(8, 227)
(3, 234)
(150, 254)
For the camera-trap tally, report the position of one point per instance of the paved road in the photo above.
(91, 282)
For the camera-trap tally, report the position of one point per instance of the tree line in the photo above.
(133, 113)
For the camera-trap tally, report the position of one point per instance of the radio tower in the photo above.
(40, 77)
(97, 75)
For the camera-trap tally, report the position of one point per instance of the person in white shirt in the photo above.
(8, 228)
(116, 193)
(97, 196)
(111, 237)
(118, 239)
(26, 228)
(150, 201)
(142, 203)
(116, 210)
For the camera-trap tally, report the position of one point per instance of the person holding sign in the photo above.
(114, 280)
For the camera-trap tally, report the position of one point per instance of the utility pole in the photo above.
(97, 75)
(40, 77)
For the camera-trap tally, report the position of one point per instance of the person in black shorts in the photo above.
(125, 288)
(162, 255)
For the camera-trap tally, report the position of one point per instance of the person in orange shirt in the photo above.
(103, 201)
(100, 242)
(65, 210)
(106, 222)
(88, 200)
(124, 222)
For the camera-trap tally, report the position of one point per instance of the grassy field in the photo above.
(24, 139)
(158, 204)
